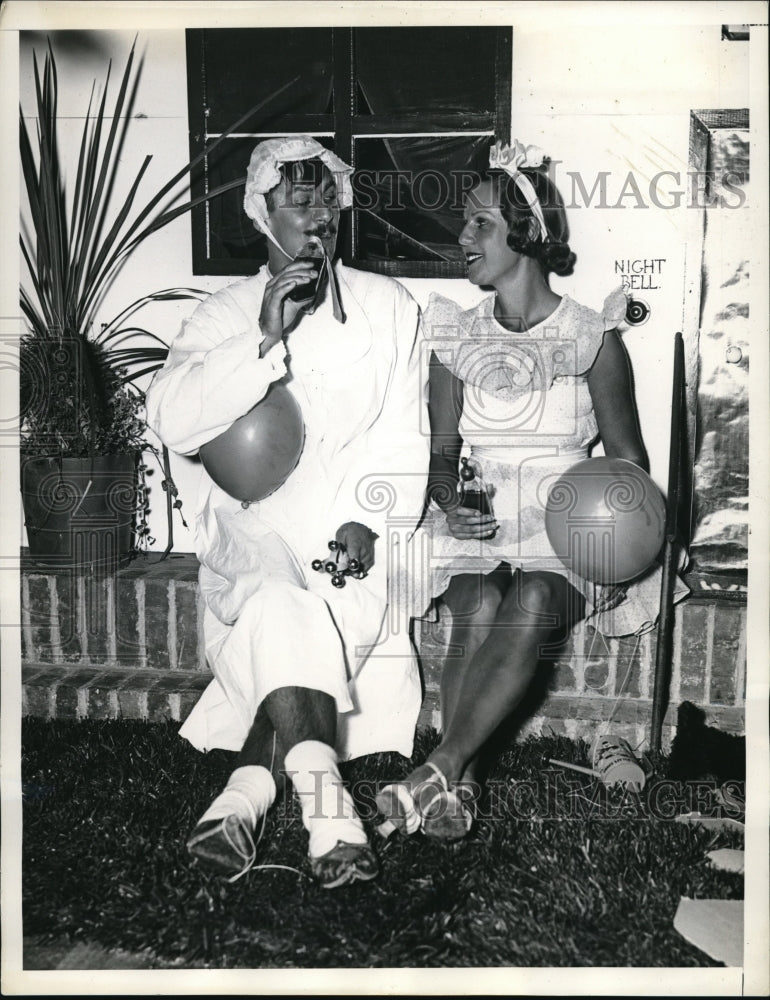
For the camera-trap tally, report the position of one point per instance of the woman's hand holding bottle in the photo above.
(464, 522)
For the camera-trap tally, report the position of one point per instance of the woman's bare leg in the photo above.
(473, 601)
(494, 662)
(535, 607)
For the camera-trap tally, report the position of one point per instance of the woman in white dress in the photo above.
(526, 381)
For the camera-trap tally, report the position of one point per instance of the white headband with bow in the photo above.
(512, 160)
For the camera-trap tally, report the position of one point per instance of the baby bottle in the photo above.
(473, 492)
(312, 252)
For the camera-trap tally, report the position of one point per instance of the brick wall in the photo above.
(595, 680)
(130, 646)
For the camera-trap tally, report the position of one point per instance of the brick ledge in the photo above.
(105, 692)
(120, 678)
(130, 646)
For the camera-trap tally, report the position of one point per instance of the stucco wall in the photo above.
(598, 97)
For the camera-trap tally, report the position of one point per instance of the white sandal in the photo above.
(429, 805)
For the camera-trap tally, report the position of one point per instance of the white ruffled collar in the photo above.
(482, 353)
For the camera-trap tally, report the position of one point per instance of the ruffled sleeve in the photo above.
(614, 309)
(591, 326)
(441, 321)
(468, 341)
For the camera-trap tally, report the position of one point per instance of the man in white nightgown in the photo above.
(305, 674)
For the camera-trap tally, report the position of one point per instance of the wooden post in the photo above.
(666, 618)
(169, 487)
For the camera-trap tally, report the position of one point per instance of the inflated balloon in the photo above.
(605, 519)
(257, 453)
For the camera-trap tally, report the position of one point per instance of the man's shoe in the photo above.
(345, 863)
(224, 847)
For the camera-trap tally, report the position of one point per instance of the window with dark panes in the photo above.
(414, 110)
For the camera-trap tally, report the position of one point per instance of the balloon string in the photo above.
(604, 726)
(594, 596)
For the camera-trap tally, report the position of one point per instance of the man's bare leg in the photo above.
(292, 736)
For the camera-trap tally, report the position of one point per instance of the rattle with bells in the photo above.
(352, 567)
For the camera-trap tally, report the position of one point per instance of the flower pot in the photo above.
(79, 512)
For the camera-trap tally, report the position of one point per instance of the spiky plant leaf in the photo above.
(72, 256)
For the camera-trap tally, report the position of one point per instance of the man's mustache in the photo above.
(323, 232)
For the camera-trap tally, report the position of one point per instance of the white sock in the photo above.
(248, 794)
(328, 813)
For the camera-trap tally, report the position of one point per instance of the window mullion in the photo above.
(290, 125)
(504, 78)
(422, 123)
(195, 46)
(342, 51)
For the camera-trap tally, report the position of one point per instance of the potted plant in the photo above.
(82, 426)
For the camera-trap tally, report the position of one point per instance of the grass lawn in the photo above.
(558, 872)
